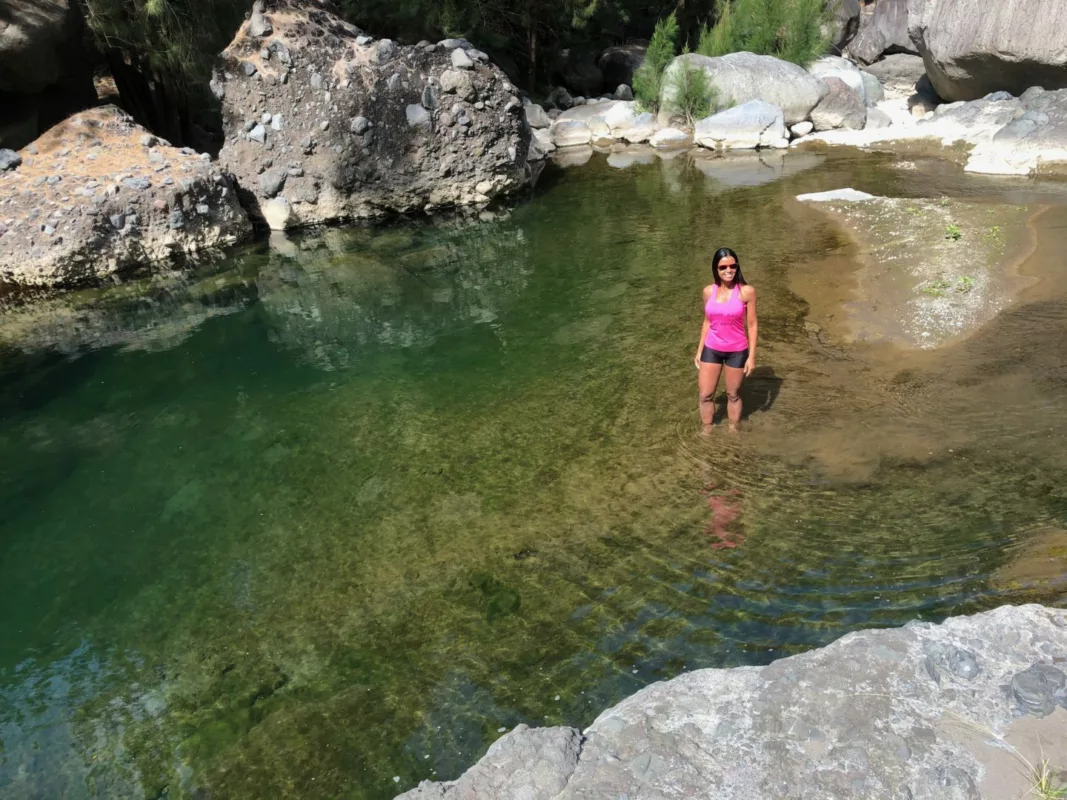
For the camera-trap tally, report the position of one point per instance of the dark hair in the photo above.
(720, 254)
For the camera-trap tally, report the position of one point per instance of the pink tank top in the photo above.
(726, 323)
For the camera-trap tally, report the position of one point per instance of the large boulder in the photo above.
(324, 123)
(44, 73)
(898, 73)
(846, 23)
(618, 64)
(740, 77)
(883, 31)
(841, 108)
(744, 127)
(577, 70)
(1035, 137)
(836, 67)
(918, 712)
(98, 195)
(972, 48)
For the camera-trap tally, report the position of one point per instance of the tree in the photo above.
(648, 79)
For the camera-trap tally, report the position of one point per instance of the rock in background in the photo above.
(44, 73)
(98, 195)
(924, 712)
(324, 123)
(973, 48)
(618, 64)
(881, 32)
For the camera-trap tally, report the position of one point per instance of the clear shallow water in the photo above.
(312, 521)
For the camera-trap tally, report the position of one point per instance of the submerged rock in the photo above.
(862, 717)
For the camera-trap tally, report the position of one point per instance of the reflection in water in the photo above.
(412, 485)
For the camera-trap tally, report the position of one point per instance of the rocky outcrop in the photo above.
(325, 123)
(924, 712)
(972, 48)
(740, 77)
(747, 126)
(44, 73)
(881, 32)
(618, 64)
(846, 16)
(98, 195)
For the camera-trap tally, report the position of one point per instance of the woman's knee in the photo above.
(733, 397)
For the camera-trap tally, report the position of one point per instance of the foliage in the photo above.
(648, 79)
(953, 232)
(693, 92)
(792, 30)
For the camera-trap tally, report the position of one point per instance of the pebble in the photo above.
(324, 125)
(177, 219)
(276, 122)
(265, 119)
(118, 221)
(48, 230)
(359, 125)
(363, 41)
(249, 68)
(258, 134)
(203, 209)
(137, 184)
(9, 159)
(148, 140)
(52, 180)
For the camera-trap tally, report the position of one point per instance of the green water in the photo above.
(318, 519)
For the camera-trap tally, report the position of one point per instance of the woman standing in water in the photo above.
(727, 337)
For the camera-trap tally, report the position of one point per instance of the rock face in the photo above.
(882, 32)
(972, 49)
(744, 127)
(323, 123)
(846, 23)
(919, 712)
(44, 74)
(618, 64)
(740, 77)
(98, 195)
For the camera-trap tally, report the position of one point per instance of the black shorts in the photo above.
(736, 359)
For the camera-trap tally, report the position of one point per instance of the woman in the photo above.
(727, 337)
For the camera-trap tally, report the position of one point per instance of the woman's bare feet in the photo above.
(733, 427)
(707, 429)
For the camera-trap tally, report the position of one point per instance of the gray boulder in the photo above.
(973, 48)
(577, 70)
(741, 77)
(841, 108)
(377, 127)
(903, 713)
(873, 93)
(744, 127)
(618, 65)
(536, 116)
(883, 31)
(876, 118)
(9, 159)
(1034, 132)
(836, 67)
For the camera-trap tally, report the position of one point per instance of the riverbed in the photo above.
(325, 518)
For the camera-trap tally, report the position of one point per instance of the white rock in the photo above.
(668, 137)
(750, 125)
(570, 132)
(802, 128)
(277, 213)
(460, 59)
(846, 195)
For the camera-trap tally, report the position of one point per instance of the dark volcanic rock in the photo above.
(365, 119)
(91, 202)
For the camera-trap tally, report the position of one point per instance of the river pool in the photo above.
(326, 518)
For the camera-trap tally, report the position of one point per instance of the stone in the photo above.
(460, 59)
(277, 213)
(417, 116)
(843, 69)
(846, 23)
(835, 195)
(802, 128)
(840, 108)
(577, 69)
(619, 63)
(623, 92)
(259, 25)
(118, 221)
(359, 125)
(873, 92)
(459, 83)
(384, 51)
(972, 48)
(570, 132)
(536, 116)
(276, 121)
(882, 32)
(249, 68)
(429, 98)
(258, 134)
(137, 184)
(898, 73)
(640, 130)
(1039, 689)
(749, 125)
(9, 159)
(669, 137)
(271, 182)
(559, 98)
(741, 77)
(876, 119)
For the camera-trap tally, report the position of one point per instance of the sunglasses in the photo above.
(727, 266)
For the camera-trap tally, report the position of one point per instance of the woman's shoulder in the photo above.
(748, 292)
(708, 290)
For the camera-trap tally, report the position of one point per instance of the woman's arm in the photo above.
(748, 294)
(703, 328)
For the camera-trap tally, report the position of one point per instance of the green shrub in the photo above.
(693, 93)
(648, 79)
(792, 30)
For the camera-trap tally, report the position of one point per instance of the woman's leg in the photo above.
(707, 380)
(734, 376)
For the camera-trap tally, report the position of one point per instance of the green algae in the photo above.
(420, 484)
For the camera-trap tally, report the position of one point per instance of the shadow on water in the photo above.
(323, 522)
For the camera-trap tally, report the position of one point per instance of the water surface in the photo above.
(323, 520)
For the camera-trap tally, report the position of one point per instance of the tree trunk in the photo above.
(531, 80)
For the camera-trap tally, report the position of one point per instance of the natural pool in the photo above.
(338, 512)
